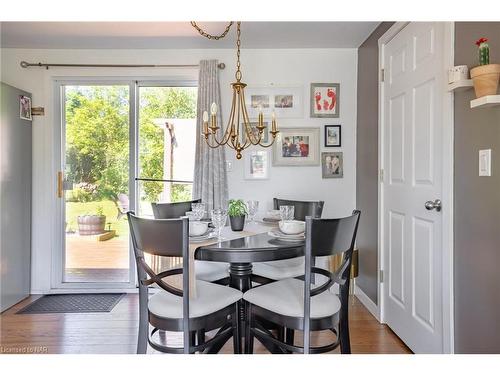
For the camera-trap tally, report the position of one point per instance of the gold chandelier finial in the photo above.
(239, 133)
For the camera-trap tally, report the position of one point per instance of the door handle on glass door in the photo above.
(433, 205)
(60, 187)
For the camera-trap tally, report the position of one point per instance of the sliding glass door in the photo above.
(95, 166)
(167, 140)
(123, 146)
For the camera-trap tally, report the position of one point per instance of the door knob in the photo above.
(433, 205)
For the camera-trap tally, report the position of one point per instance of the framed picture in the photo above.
(25, 107)
(333, 136)
(286, 102)
(256, 164)
(332, 165)
(265, 134)
(296, 147)
(325, 99)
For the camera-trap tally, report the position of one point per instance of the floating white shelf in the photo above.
(461, 85)
(485, 101)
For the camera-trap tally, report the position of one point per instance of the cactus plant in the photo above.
(484, 51)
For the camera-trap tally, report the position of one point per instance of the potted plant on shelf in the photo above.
(92, 224)
(485, 76)
(237, 212)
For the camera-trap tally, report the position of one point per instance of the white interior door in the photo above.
(412, 138)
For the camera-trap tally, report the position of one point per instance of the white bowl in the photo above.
(292, 226)
(197, 228)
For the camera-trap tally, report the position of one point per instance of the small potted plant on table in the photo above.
(485, 76)
(237, 212)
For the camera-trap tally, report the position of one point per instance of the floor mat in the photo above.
(73, 303)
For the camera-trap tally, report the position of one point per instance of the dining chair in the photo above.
(173, 309)
(216, 272)
(266, 272)
(299, 305)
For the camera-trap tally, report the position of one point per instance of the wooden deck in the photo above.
(116, 332)
(90, 260)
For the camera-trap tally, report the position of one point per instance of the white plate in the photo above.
(286, 237)
(209, 234)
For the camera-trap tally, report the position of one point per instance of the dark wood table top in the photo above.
(253, 248)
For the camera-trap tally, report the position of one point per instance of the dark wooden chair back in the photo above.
(302, 208)
(329, 237)
(172, 210)
(167, 238)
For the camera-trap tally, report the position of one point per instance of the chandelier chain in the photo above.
(238, 44)
(210, 36)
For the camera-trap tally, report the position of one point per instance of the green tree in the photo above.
(97, 136)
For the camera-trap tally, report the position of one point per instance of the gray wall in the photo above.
(477, 206)
(367, 161)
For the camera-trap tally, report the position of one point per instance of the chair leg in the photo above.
(289, 336)
(236, 330)
(249, 338)
(345, 342)
(201, 337)
(142, 337)
(281, 333)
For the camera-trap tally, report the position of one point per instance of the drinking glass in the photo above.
(199, 210)
(219, 218)
(252, 207)
(287, 212)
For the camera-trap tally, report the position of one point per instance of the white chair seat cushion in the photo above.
(286, 297)
(211, 271)
(280, 269)
(210, 298)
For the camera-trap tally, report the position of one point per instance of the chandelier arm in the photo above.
(248, 129)
(210, 36)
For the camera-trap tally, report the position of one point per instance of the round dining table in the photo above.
(251, 246)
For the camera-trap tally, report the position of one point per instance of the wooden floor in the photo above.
(116, 332)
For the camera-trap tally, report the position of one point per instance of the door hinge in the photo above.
(381, 175)
(381, 276)
(382, 75)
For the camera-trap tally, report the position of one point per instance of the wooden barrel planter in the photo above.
(91, 224)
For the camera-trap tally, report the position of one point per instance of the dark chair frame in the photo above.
(302, 208)
(174, 211)
(170, 238)
(319, 242)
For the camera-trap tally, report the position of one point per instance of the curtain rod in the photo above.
(25, 64)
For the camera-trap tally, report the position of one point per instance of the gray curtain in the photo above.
(210, 177)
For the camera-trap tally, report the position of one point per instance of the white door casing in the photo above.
(412, 160)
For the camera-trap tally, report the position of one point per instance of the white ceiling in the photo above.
(153, 35)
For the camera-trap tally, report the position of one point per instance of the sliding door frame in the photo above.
(59, 250)
(134, 84)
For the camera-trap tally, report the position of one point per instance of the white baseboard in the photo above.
(367, 302)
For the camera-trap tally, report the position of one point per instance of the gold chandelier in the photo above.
(239, 133)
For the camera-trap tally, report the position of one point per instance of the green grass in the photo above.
(75, 209)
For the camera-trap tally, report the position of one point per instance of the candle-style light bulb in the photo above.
(213, 108)
(205, 116)
(273, 116)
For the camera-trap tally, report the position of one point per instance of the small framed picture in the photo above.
(332, 165)
(325, 99)
(285, 102)
(255, 131)
(296, 147)
(25, 107)
(333, 136)
(256, 164)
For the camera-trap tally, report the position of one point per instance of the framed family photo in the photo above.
(296, 147)
(325, 100)
(286, 102)
(333, 136)
(25, 107)
(332, 165)
(256, 164)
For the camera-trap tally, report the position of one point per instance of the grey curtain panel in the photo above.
(210, 177)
